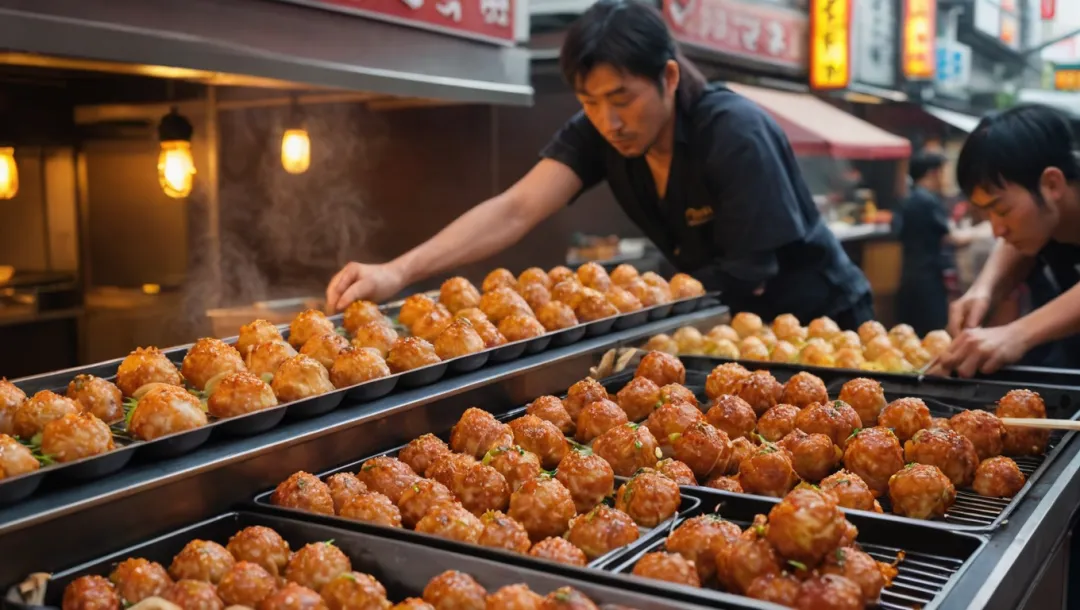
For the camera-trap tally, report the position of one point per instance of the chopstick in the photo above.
(1038, 422)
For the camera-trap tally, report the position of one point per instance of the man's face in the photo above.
(629, 111)
(1017, 217)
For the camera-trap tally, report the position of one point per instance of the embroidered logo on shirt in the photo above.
(698, 216)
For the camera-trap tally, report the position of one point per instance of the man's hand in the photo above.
(358, 281)
(968, 311)
(982, 350)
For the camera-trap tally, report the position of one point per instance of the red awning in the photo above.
(816, 128)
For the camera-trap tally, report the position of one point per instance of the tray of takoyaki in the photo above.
(268, 562)
(802, 552)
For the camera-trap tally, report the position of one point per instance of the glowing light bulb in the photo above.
(9, 173)
(296, 151)
(176, 168)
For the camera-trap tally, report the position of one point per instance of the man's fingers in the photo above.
(971, 364)
(957, 315)
(975, 314)
(352, 293)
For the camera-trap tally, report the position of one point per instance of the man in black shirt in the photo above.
(707, 175)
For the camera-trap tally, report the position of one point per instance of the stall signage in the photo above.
(830, 44)
(920, 33)
(1049, 8)
(1067, 78)
(770, 34)
(488, 20)
(874, 45)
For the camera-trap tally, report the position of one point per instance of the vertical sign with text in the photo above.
(920, 35)
(772, 35)
(830, 44)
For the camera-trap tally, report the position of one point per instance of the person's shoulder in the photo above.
(720, 107)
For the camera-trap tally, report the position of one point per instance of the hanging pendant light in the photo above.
(295, 143)
(176, 166)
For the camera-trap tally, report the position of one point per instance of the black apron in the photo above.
(1057, 271)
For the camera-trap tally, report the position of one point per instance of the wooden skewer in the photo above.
(1038, 422)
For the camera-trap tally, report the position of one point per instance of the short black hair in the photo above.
(1017, 146)
(626, 34)
(923, 163)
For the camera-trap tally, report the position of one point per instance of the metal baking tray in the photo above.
(403, 566)
(933, 561)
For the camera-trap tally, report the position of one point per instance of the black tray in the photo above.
(402, 566)
(933, 560)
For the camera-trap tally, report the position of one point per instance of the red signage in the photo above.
(738, 27)
(1049, 7)
(489, 20)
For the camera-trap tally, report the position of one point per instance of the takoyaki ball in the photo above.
(308, 324)
(998, 477)
(144, 366)
(541, 437)
(458, 339)
(851, 533)
(983, 429)
(514, 464)
(849, 358)
(293, 597)
(698, 539)
(628, 448)
(549, 409)
(871, 329)
(410, 353)
(483, 327)
(721, 348)
(768, 472)
(905, 416)
(361, 313)
(754, 349)
(568, 291)
(813, 456)
(669, 567)
(76, 436)
(266, 358)
(639, 398)
(893, 361)
(559, 550)
(745, 559)
(498, 278)
(677, 393)
(544, 506)
(787, 327)
(1023, 441)
(704, 448)
(502, 532)
(949, 450)
(623, 300)
(690, 340)
(503, 302)
(587, 477)
(481, 489)
(415, 307)
(514, 597)
(649, 295)
(592, 305)
(316, 564)
(567, 598)
(741, 448)
(535, 295)
(936, 342)
(371, 507)
(450, 520)
(859, 568)
(138, 579)
(166, 410)
(649, 498)
(419, 498)
(458, 293)
(916, 354)
(519, 327)
(806, 525)
(300, 377)
(661, 368)
(723, 331)
(354, 366)
(835, 419)
(921, 491)
(601, 530)
(413, 603)
(823, 328)
(96, 395)
(829, 592)
(582, 393)
(817, 354)
(344, 486)
(676, 471)
(477, 432)
(783, 352)
(877, 347)
(450, 468)
(210, 358)
(593, 275)
(386, 475)
(355, 591)
(781, 589)
(260, 545)
(304, 491)
(867, 397)
(534, 275)
(559, 273)
(901, 334)
(747, 324)
(672, 419)
(10, 399)
(376, 335)
(847, 339)
(246, 584)
(239, 394)
(32, 416)
(201, 560)
(90, 593)
(624, 274)
(850, 491)
(422, 452)
(684, 287)
(761, 391)
(556, 315)
(874, 454)
(804, 389)
(662, 343)
(432, 324)
(597, 418)
(777, 422)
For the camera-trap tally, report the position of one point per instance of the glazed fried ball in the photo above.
(582, 393)
(293, 597)
(343, 487)
(871, 329)
(300, 377)
(556, 315)
(422, 452)
(567, 598)
(357, 365)
(544, 506)
(628, 448)
(76, 436)
(602, 530)
(410, 353)
(672, 419)
(560, 273)
(813, 456)
(193, 595)
(592, 305)
(415, 307)
(874, 454)
(593, 275)
(850, 491)
(371, 507)
(936, 342)
(498, 278)
(998, 477)
(649, 295)
(849, 358)
(386, 475)
(459, 339)
(721, 348)
(676, 471)
(481, 489)
(587, 477)
(804, 389)
(748, 557)
(777, 422)
(597, 418)
(649, 498)
(316, 564)
(559, 550)
(359, 314)
(458, 293)
(787, 327)
(782, 589)
(678, 393)
(10, 399)
(817, 354)
(723, 332)
(747, 324)
(450, 520)
(260, 545)
(450, 469)
(502, 532)
(477, 432)
(514, 597)
(823, 328)
(685, 287)
(916, 354)
(514, 464)
(246, 584)
(90, 593)
(704, 448)
(921, 491)
(623, 300)
(836, 419)
(201, 560)
(669, 567)
(568, 291)
(905, 416)
(753, 348)
(266, 358)
(432, 324)
(32, 416)
(519, 327)
(96, 395)
(805, 526)
(166, 410)
(413, 603)
(877, 347)
(638, 398)
(1023, 441)
(304, 491)
(698, 539)
(733, 416)
(859, 568)
(829, 592)
(308, 324)
(210, 358)
(239, 394)
(144, 366)
(741, 448)
(138, 579)
(624, 274)
(783, 352)
(502, 303)
(661, 369)
(421, 497)
(950, 451)
(690, 340)
(376, 335)
(867, 397)
(901, 334)
(761, 391)
(355, 591)
(540, 437)
(768, 472)
(453, 590)
(983, 429)
(662, 343)
(534, 275)
(549, 409)
(535, 295)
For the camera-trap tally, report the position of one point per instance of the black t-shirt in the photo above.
(921, 225)
(1057, 271)
(737, 213)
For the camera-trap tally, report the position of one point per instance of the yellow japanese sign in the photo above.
(920, 33)
(1067, 79)
(830, 44)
